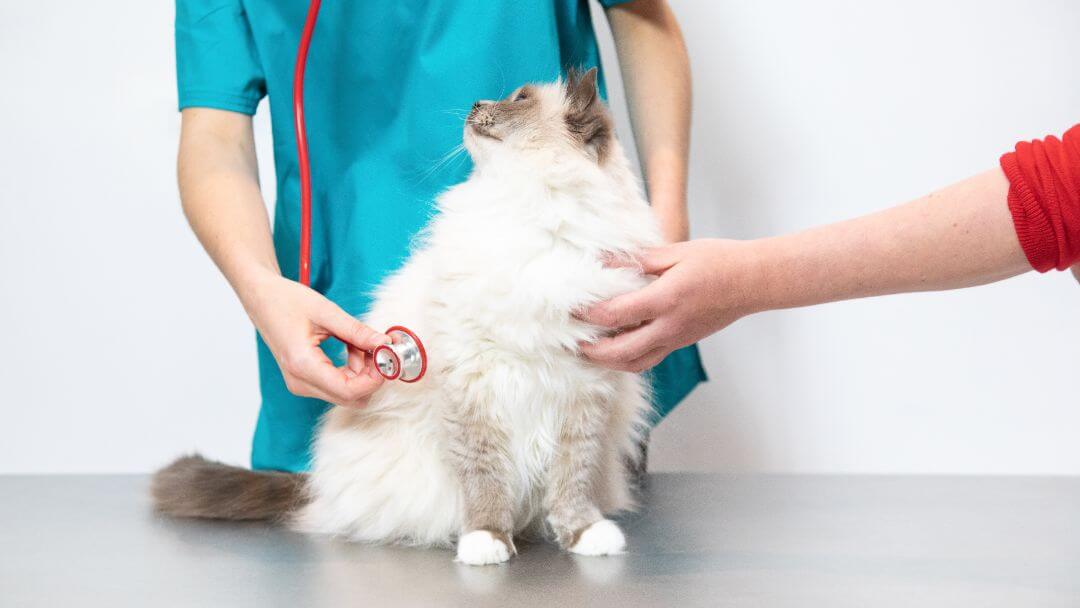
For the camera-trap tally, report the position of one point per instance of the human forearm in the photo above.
(957, 237)
(960, 236)
(1023, 216)
(656, 76)
(219, 190)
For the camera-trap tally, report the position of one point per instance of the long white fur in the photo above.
(490, 289)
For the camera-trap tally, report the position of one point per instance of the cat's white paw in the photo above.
(480, 547)
(600, 538)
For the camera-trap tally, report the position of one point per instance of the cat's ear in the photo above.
(581, 89)
(586, 117)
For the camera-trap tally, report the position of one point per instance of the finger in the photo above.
(654, 260)
(629, 309)
(349, 329)
(301, 388)
(356, 360)
(657, 260)
(317, 370)
(360, 363)
(305, 389)
(362, 387)
(649, 361)
(618, 260)
(621, 350)
(1076, 270)
(643, 363)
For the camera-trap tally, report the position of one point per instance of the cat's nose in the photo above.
(476, 107)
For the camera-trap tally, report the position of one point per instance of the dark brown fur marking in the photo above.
(196, 487)
(574, 473)
(506, 539)
(576, 536)
(586, 118)
(478, 453)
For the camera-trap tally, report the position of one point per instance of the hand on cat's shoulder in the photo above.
(701, 287)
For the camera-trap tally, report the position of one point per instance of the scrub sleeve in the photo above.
(216, 62)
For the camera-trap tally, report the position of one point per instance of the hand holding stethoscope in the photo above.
(294, 320)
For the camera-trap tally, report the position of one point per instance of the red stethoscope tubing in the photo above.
(301, 142)
(305, 174)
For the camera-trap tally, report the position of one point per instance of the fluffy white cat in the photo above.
(510, 431)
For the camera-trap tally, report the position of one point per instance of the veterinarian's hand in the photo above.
(700, 290)
(294, 320)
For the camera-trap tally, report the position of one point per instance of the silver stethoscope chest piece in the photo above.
(404, 358)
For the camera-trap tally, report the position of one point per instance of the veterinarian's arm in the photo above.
(958, 237)
(656, 76)
(219, 188)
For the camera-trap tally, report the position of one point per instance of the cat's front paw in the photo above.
(480, 547)
(600, 538)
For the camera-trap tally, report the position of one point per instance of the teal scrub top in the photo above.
(387, 85)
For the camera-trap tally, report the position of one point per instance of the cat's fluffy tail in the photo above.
(193, 486)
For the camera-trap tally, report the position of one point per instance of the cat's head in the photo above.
(566, 116)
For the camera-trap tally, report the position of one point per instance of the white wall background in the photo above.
(120, 346)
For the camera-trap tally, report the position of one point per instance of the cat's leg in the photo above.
(573, 481)
(478, 451)
(623, 468)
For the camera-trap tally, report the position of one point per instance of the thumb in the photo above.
(349, 329)
(629, 309)
(1076, 270)
(657, 260)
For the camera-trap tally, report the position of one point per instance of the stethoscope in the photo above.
(404, 358)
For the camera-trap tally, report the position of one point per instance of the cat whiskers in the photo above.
(460, 113)
(454, 154)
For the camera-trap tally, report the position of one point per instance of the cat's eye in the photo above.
(521, 95)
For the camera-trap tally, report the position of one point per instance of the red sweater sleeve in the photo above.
(1044, 198)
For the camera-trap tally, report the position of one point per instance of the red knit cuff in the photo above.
(1033, 228)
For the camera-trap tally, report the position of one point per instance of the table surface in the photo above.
(699, 540)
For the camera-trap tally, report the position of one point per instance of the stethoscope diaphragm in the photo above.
(404, 358)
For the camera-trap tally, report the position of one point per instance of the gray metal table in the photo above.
(700, 540)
